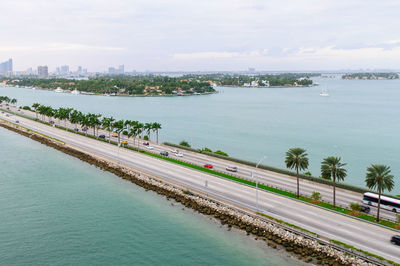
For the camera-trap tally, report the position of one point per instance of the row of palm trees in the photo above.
(8, 100)
(96, 121)
(378, 176)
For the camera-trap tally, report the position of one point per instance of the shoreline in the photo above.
(120, 95)
(274, 235)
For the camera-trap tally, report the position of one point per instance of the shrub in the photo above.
(26, 108)
(205, 149)
(184, 143)
(316, 196)
(221, 153)
(355, 207)
(145, 138)
(308, 174)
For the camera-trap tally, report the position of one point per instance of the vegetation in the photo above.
(122, 85)
(260, 80)
(297, 158)
(332, 168)
(316, 196)
(184, 143)
(379, 178)
(365, 76)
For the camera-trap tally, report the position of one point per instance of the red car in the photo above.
(146, 143)
(210, 166)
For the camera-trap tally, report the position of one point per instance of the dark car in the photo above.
(146, 143)
(85, 129)
(365, 208)
(102, 136)
(164, 153)
(76, 129)
(395, 240)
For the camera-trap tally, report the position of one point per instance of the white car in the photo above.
(149, 147)
(174, 151)
(179, 154)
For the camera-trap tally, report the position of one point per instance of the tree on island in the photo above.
(378, 177)
(332, 169)
(297, 158)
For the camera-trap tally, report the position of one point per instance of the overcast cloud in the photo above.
(202, 34)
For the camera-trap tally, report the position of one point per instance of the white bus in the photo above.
(386, 202)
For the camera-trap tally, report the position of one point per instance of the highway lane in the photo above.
(351, 231)
(284, 182)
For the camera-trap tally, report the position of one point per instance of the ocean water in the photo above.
(359, 121)
(57, 210)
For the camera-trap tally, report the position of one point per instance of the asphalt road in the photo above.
(284, 182)
(362, 235)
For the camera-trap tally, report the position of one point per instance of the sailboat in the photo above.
(324, 93)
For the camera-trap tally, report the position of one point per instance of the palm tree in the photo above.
(49, 112)
(76, 117)
(379, 177)
(148, 127)
(106, 123)
(156, 126)
(119, 127)
(35, 106)
(14, 101)
(84, 122)
(139, 130)
(332, 168)
(297, 158)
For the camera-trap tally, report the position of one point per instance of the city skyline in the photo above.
(207, 36)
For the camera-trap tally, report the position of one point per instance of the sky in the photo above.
(201, 35)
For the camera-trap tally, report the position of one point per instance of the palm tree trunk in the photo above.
(334, 192)
(157, 135)
(379, 204)
(298, 183)
(109, 136)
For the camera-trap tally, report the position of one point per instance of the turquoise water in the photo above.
(57, 210)
(358, 122)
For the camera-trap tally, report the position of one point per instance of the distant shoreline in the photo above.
(111, 95)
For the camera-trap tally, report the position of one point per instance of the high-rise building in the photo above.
(64, 70)
(121, 69)
(79, 70)
(6, 66)
(43, 71)
(112, 71)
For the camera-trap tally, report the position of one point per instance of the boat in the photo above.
(75, 92)
(324, 93)
(58, 90)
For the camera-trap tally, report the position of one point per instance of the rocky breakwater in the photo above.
(306, 249)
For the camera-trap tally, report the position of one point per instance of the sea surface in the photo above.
(359, 121)
(57, 210)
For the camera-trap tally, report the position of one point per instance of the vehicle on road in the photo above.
(102, 136)
(7, 115)
(209, 166)
(164, 153)
(149, 147)
(146, 143)
(395, 240)
(232, 169)
(387, 203)
(365, 208)
(16, 121)
(114, 135)
(84, 128)
(124, 142)
(76, 129)
(179, 154)
(174, 151)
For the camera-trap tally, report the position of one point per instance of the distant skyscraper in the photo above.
(79, 69)
(64, 70)
(121, 69)
(112, 71)
(43, 71)
(6, 66)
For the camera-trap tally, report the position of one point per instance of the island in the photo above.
(371, 76)
(148, 85)
(257, 80)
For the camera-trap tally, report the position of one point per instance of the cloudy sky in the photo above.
(193, 35)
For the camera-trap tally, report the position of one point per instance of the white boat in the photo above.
(58, 90)
(75, 92)
(324, 93)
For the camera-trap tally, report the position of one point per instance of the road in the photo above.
(273, 179)
(362, 235)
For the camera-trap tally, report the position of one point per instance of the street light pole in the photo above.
(252, 175)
